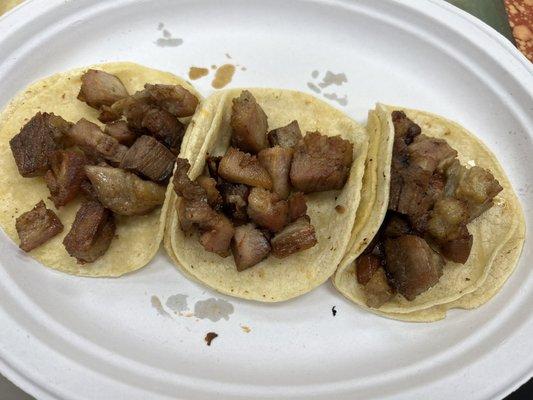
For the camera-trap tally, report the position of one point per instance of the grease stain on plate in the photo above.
(167, 40)
(328, 80)
(213, 309)
(156, 303)
(246, 329)
(197, 72)
(223, 76)
(177, 303)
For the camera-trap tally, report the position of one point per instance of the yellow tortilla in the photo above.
(274, 279)
(137, 238)
(498, 234)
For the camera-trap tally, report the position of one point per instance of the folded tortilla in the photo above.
(498, 233)
(272, 279)
(137, 238)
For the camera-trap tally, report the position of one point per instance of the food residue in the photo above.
(156, 303)
(209, 337)
(246, 328)
(213, 309)
(223, 76)
(340, 209)
(197, 72)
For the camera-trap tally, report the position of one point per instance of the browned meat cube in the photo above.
(217, 234)
(37, 226)
(175, 99)
(149, 158)
(65, 176)
(98, 88)
(249, 124)
(266, 209)
(366, 266)
(447, 216)
(121, 132)
(297, 206)
(396, 225)
(212, 167)
(277, 162)
(183, 186)
(457, 248)
(405, 131)
(165, 127)
(239, 167)
(413, 266)
(36, 141)
(249, 246)
(87, 189)
(214, 197)
(123, 192)
(297, 236)
(108, 114)
(377, 289)
(133, 110)
(90, 138)
(287, 136)
(321, 163)
(430, 154)
(91, 232)
(235, 201)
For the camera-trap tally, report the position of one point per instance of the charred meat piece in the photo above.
(175, 99)
(36, 141)
(295, 237)
(458, 247)
(212, 167)
(108, 114)
(377, 289)
(98, 88)
(287, 136)
(239, 167)
(133, 110)
(249, 124)
(430, 154)
(249, 246)
(217, 234)
(321, 163)
(124, 193)
(235, 201)
(183, 186)
(90, 138)
(165, 127)
(213, 195)
(91, 232)
(297, 206)
(149, 158)
(266, 209)
(413, 266)
(277, 162)
(121, 132)
(405, 130)
(37, 226)
(65, 176)
(366, 266)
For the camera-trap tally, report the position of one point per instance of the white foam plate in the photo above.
(64, 337)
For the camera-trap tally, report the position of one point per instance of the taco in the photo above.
(263, 208)
(86, 157)
(445, 228)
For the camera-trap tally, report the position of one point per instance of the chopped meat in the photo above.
(430, 154)
(124, 193)
(217, 234)
(413, 266)
(212, 166)
(235, 201)
(287, 136)
(239, 167)
(297, 206)
(175, 99)
(295, 237)
(447, 216)
(108, 114)
(90, 138)
(183, 186)
(377, 289)
(91, 232)
(366, 266)
(98, 88)
(457, 248)
(277, 162)
(36, 141)
(194, 213)
(405, 130)
(249, 124)
(165, 127)
(249, 246)
(266, 209)
(321, 163)
(214, 197)
(37, 226)
(133, 110)
(87, 189)
(65, 176)
(149, 158)
(396, 225)
(121, 132)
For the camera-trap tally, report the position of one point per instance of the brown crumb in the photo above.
(209, 337)
(340, 209)
(246, 328)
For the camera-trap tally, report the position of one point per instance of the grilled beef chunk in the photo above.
(239, 167)
(212, 167)
(235, 201)
(297, 206)
(396, 225)
(277, 162)
(124, 193)
(175, 99)
(121, 132)
(32, 146)
(287, 136)
(249, 124)
(366, 266)
(65, 176)
(295, 237)
(87, 189)
(405, 131)
(377, 289)
(149, 158)
(214, 198)
(183, 186)
(413, 266)
(37, 226)
(457, 248)
(249, 246)
(165, 127)
(321, 163)
(217, 234)
(133, 110)
(430, 154)
(108, 114)
(98, 88)
(90, 138)
(91, 233)
(266, 209)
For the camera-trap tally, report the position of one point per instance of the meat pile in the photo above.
(251, 202)
(432, 199)
(122, 169)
